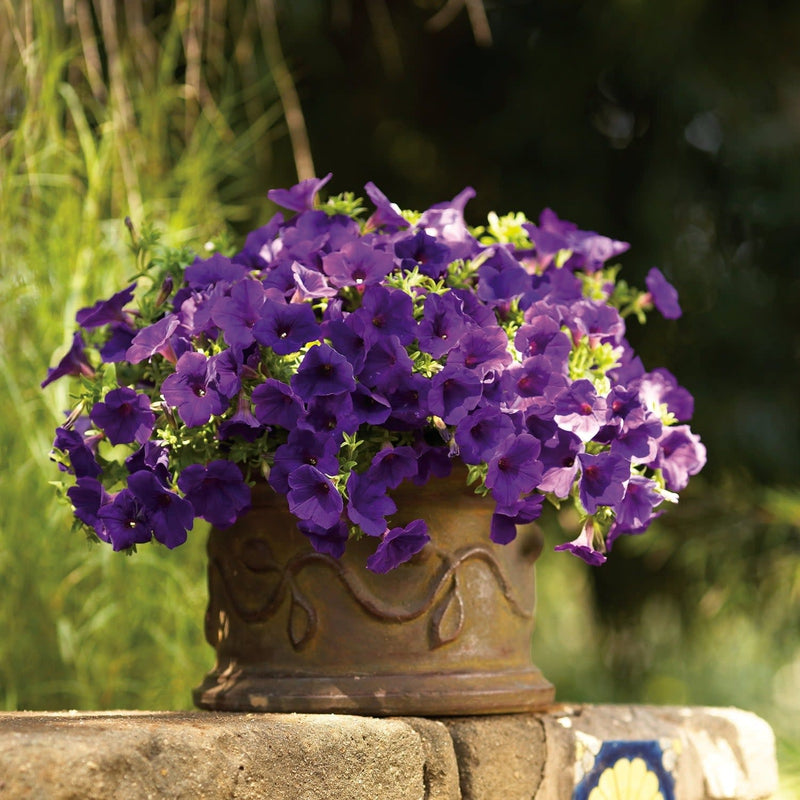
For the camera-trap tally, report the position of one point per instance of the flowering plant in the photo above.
(339, 353)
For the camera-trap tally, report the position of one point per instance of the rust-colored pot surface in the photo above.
(447, 633)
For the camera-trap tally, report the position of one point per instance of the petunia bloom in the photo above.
(398, 546)
(322, 371)
(299, 197)
(515, 469)
(313, 497)
(193, 390)
(124, 416)
(603, 480)
(125, 521)
(74, 362)
(105, 312)
(583, 546)
(286, 327)
(217, 491)
(663, 294)
(169, 515)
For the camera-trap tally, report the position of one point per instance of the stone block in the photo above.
(198, 756)
(499, 757)
(441, 767)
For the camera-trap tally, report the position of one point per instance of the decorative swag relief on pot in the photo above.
(448, 632)
(372, 408)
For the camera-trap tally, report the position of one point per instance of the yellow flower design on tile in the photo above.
(627, 779)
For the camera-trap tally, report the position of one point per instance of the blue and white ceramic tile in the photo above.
(625, 770)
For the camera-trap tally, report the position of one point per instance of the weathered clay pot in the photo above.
(447, 633)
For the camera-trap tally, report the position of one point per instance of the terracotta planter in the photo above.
(447, 633)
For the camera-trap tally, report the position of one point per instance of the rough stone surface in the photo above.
(196, 756)
(710, 753)
(441, 767)
(499, 757)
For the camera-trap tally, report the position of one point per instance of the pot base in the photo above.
(427, 694)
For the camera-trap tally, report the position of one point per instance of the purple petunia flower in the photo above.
(454, 392)
(386, 214)
(331, 414)
(445, 221)
(117, 345)
(663, 294)
(322, 371)
(583, 546)
(310, 284)
(237, 314)
(299, 197)
(392, 465)
(559, 456)
(313, 497)
(505, 519)
(153, 456)
(599, 322)
(432, 462)
(303, 447)
(635, 511)
(155, 338)
(680, 455)
(443, 324)
(124, 521)
(387, 312)
(205, 272)
(515, 469)
(592, 250)
(387, 366)
(262, 246)
(357, 264)
(225, 368)
(409, 402)
(217, 491)
(480, 433)
(483, 350)
(331, 541)
(193, 390)
(368, 504)
(169, 515)
(243, 423)
(637, 436)
(286, 327)
(105, 312)
(423, 251)
(502, 279)
(398, 546)
(124, 416)
(370, 407)
(581, 410)
(81, 455)
(604, 478)
(534, 377)
(276, 404)
(73, 363)
(348, 338)
(87, 496)
(658, 388)
(542, 336)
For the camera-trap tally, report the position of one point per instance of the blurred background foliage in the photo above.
(678, 131)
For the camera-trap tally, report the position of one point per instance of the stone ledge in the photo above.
(560, 754)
